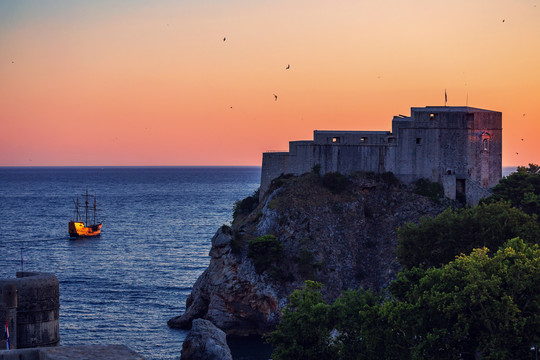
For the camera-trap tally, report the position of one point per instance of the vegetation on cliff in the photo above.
(475, 305)
(521, 189)
(438, 240)
(444, 304)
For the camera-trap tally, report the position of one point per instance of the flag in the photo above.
(7, 337)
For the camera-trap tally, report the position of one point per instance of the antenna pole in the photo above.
(22, 263)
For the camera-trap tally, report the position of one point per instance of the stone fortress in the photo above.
(459, 147)
(30, 307)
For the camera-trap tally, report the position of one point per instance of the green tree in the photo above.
(437, 241)
(521, 189)
(246, 205)
(474, 305)
(304, 330)
(364, 333)
(265, 251)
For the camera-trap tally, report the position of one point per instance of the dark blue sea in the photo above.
(122, 287)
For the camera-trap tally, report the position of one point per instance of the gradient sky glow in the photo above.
(153, 83)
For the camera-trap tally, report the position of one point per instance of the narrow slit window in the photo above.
(418, 141)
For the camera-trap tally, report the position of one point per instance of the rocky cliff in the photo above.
(335, 230)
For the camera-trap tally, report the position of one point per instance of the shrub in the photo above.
(246, 205)
(265, 251)
(335, 182)
(389, 178)
(316, 169)
(432, 190)
(521, 189)
(436, 241)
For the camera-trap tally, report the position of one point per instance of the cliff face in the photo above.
(343, 236)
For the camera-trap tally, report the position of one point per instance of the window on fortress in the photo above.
(432, 116)
(391, 140)
(418, 141)
(363, 139)
(485, 144)
(335, 140)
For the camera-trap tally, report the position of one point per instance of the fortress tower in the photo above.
(30, 305)
(459, 147)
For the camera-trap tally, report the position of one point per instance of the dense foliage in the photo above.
(246, 205)
(335, 182)
(475, 305)
(436, 241)
(265, 251)
(432, 190)
(521, 189)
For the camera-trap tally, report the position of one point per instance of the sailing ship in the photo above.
(79, 228)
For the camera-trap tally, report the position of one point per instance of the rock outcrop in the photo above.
(205, 342)
(344, 237)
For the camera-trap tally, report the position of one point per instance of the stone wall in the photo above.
(34, 320)
(87, 352)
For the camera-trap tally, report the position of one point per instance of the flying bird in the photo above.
(517, 153)
(288, 67)
(224, 38)
(275, 97)
(503, 20)
(521, 139)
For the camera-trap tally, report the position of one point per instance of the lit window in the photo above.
(335, 139)
(432, 116)
(363, 139)
(485, 144)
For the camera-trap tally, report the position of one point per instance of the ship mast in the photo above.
(86, 208)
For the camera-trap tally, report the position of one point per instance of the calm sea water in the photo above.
(122, 287)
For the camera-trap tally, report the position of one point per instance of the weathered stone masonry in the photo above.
(459, 147)
(30, 303)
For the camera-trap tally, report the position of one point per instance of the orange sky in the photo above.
(153, 83)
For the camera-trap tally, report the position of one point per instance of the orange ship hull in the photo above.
(77, 229)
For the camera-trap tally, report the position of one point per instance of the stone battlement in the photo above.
(459, 147)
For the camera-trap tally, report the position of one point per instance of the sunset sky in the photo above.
(132, 82)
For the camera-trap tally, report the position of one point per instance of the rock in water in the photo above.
(205, 342)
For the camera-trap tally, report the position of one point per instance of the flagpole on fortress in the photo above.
(445, 98)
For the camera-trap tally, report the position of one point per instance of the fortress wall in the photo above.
(488, 160)
(38, 307)
(273, 165)
(301, 160)
(432, 143)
